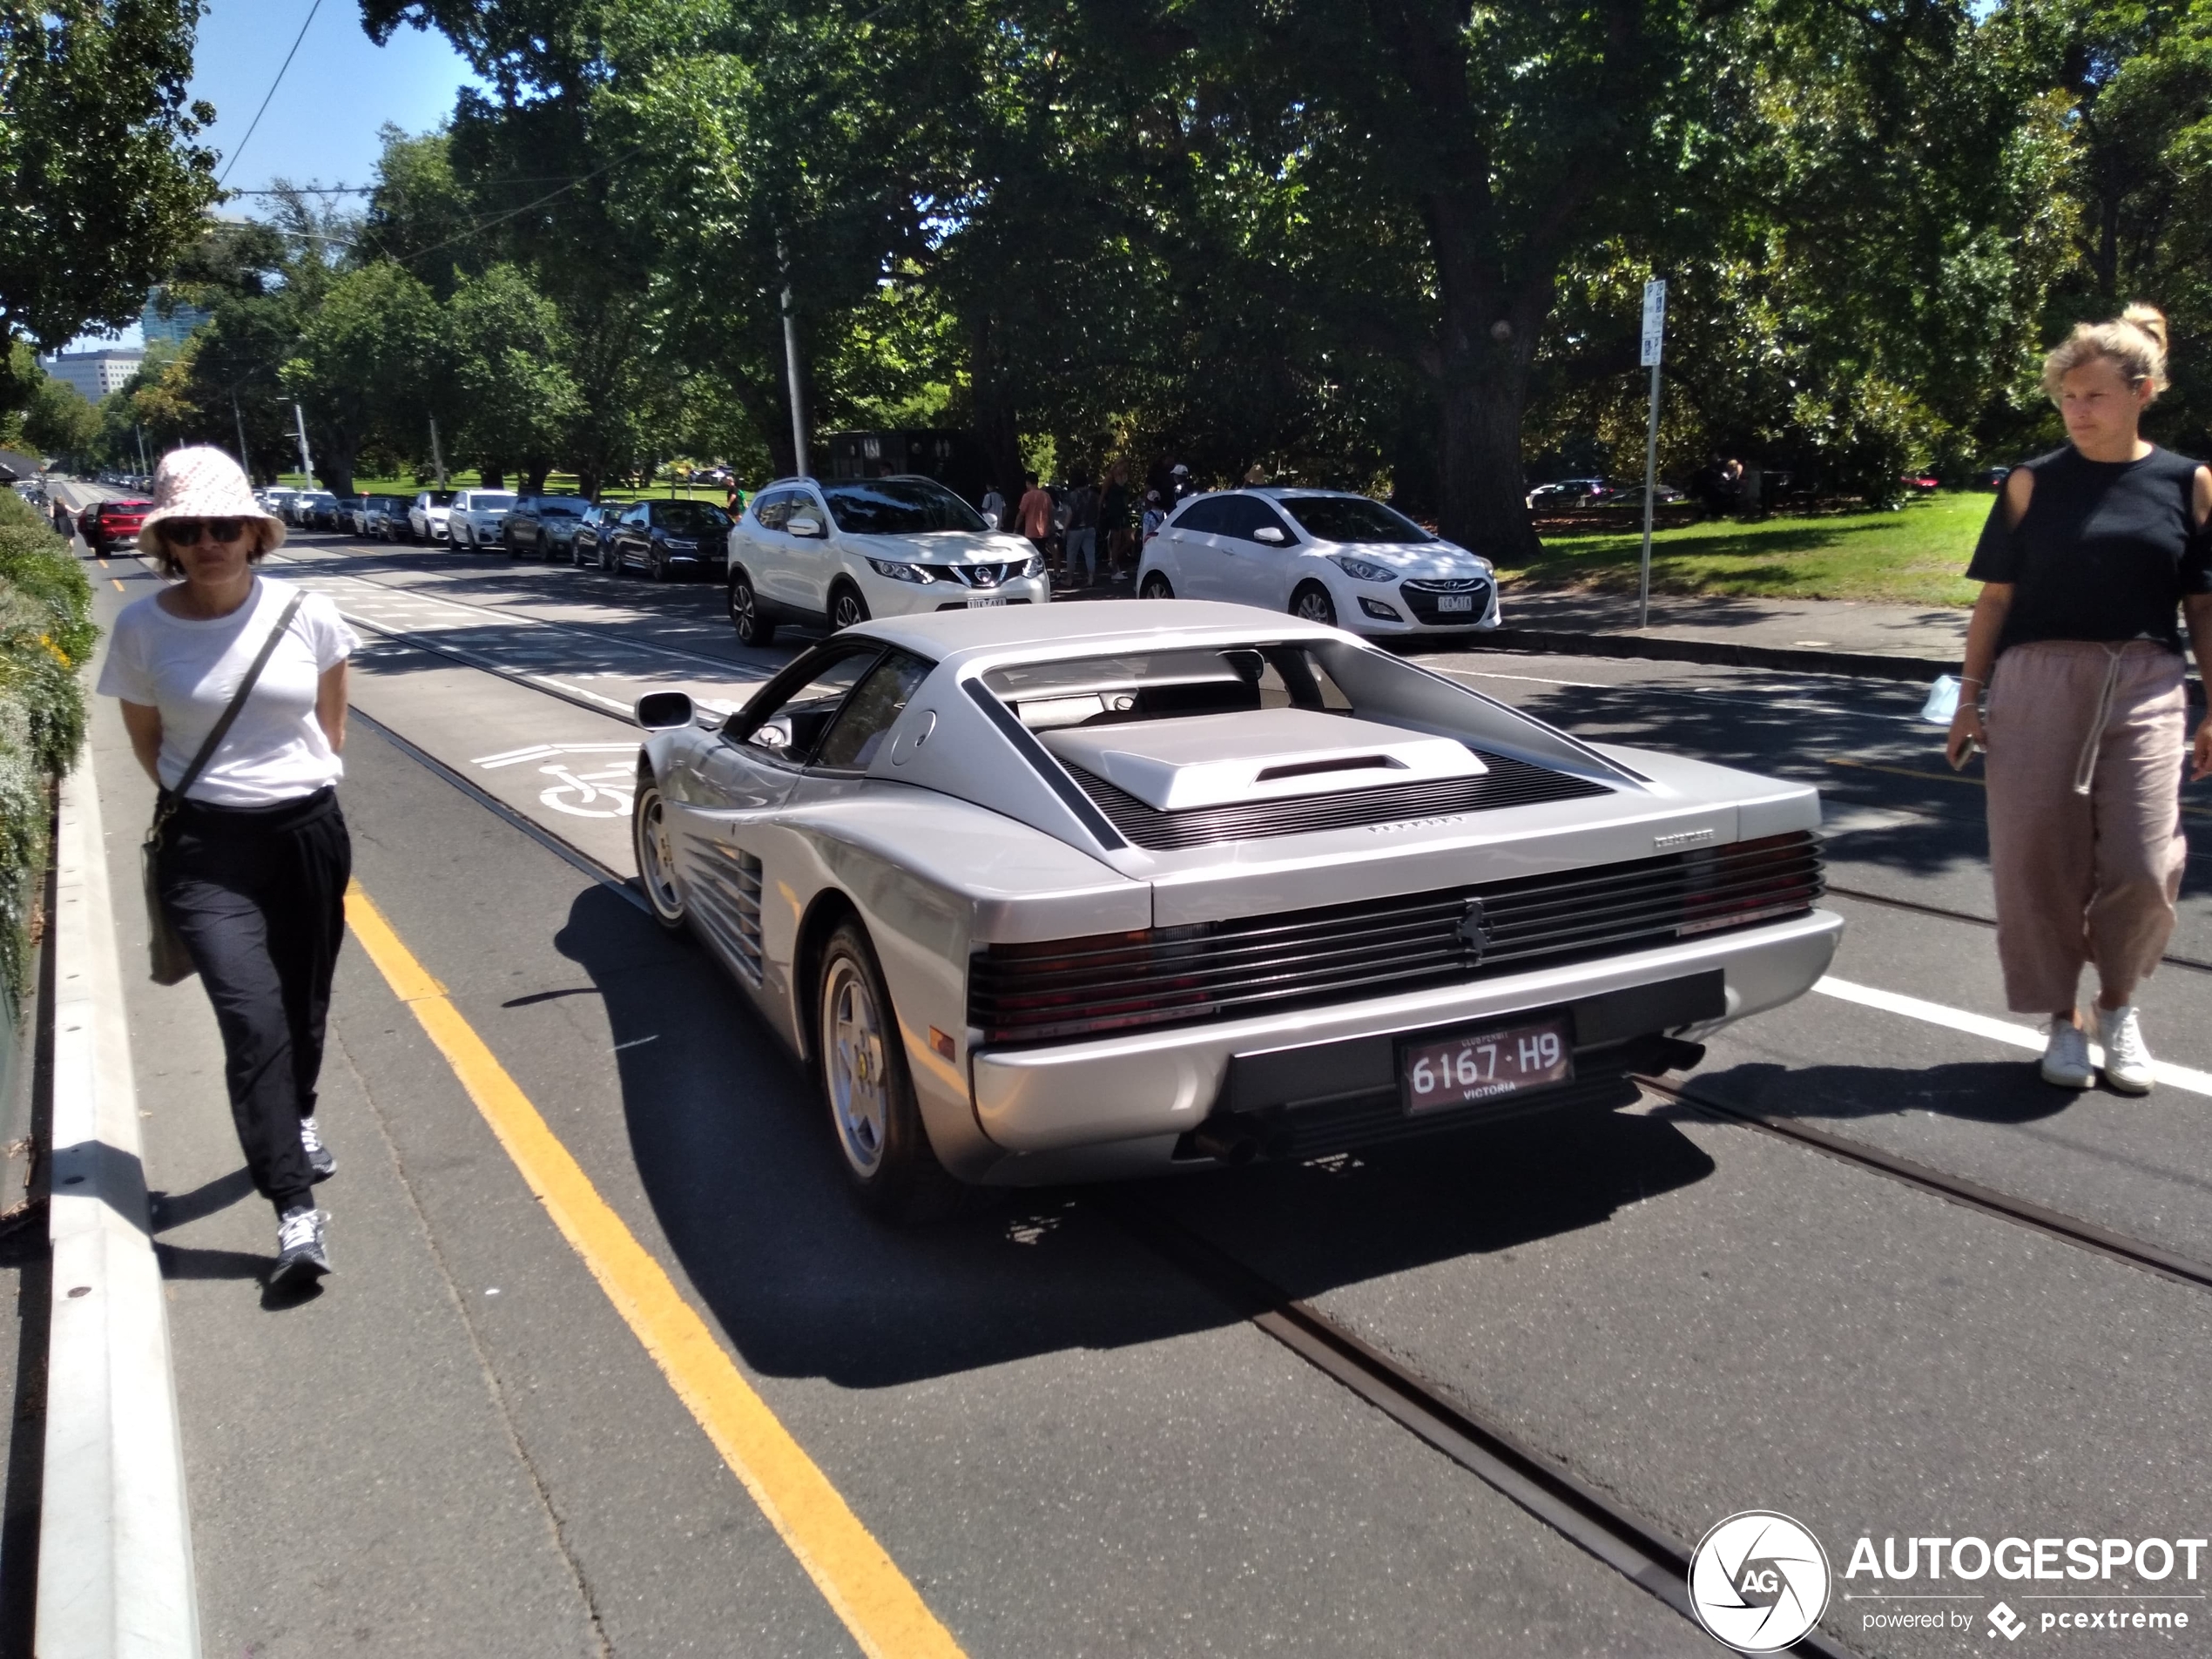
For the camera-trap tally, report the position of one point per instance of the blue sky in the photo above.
(322, 125)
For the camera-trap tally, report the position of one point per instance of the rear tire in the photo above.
(861, 1063)
(753, 629)
(1156, 587)
(1311, 604)
(656, 854)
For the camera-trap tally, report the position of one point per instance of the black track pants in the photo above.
(257, 893)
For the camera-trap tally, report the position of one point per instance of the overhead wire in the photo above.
(253, 126)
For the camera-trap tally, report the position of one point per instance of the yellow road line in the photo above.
(1958, 778)
(120, 588)
(884, 1612)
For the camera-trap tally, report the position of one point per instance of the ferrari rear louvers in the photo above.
(1508, 782)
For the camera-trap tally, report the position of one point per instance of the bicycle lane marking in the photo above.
(855, 1575)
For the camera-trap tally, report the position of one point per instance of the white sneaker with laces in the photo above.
(2127, 1056)
(302, 1250)
(2066, 1057)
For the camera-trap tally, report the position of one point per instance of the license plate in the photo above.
(995, 599)
(1438, 1072)
(1456, 601)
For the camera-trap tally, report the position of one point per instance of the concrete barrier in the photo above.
(115, 1565)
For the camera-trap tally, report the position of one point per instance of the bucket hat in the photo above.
(202, 482)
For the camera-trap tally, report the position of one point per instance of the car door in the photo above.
(729, 848)
(770, 554)
(812, 558)
(632, 539)
(1201, 551)
(1258, 550)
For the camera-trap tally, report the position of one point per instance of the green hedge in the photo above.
(46, 634)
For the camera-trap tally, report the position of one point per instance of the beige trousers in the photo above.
(2086, 746)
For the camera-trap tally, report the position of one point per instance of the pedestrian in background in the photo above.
(2088, 555)
(1082, 529)
(993, 507)
(1033, 516)
(253, 856)
(1114, 515)
(1154, 516)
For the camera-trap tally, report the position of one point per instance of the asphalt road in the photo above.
(1066, 1443)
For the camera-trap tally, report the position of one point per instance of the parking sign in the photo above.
(1654, 320)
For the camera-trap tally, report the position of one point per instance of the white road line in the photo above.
(1980, 1025)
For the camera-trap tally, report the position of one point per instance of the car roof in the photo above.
(1150, 623)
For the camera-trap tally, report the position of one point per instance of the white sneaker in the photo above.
(2127, 1059)
(2066, 1057)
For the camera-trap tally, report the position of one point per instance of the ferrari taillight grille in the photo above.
(1168, 976)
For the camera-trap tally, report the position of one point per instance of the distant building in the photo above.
(173, 329)
(95, 373)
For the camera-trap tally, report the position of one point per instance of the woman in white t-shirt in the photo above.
(255, 858)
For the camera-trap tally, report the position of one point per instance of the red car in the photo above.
(106, 522)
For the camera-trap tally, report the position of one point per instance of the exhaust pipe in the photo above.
(1224, 1141)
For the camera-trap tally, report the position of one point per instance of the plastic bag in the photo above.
(1943, 701)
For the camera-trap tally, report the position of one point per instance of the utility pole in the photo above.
(245, 466)
(143, 467)
(306, 461)
(437, 456)
(791, 366)
(1654, 333)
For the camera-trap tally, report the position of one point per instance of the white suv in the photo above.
(475, 517)
(832, 552)
(1325, 556)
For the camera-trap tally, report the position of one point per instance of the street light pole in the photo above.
(306, 461)
(245, 466)
(791, 368)
(1655, 331)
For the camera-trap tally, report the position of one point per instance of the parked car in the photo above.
(593, 541)
(384, 517)
(353, 515)
(543, 524)
(1566, 492)
(327, 512)
(1053, 893)
(426, 517)
(1328, 556)
(474, 520)
(108, 524)
(307, 503)
(667, 539)
(838, 552)
(1921, 483)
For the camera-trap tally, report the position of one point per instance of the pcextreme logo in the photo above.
(1758, 1581)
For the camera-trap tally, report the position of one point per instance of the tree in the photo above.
(504, 345)
(105, 183)
(363, 365)
(60, 422)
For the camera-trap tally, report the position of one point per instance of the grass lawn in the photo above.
(557, 484)
(1917, 556)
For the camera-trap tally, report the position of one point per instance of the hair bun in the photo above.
(2150, 319)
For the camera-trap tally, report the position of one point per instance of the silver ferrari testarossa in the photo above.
(1042, 894)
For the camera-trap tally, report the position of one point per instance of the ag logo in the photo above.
(1758, 1581)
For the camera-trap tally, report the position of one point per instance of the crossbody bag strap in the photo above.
(221, 730)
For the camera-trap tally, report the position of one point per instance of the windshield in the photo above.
(1165, 685)
(1351, 518)
(438, 497)
(562, 506)
(491, 498)
(695, 517)
(898, 507)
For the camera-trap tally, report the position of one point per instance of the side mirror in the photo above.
(799, 525)
(990, 521)
(664, 711)
(1270, 535)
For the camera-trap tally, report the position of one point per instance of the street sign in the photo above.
(1655, 321)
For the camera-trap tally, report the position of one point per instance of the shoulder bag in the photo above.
(169, 961)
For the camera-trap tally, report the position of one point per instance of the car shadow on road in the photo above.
(737, 1160)
(1996, 1091)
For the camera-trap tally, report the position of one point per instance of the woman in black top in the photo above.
(2087, 555)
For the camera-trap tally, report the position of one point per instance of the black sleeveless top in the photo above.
(2105, 552)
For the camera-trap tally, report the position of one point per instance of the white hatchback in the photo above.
(1326, 556)
(833, 552)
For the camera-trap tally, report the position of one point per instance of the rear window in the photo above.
(696, 516)
(1165, 685)
(1351, 518)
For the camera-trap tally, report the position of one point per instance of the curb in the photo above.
(115, 1564)
(1717, 653)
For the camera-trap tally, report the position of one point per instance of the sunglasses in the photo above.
(185, 532)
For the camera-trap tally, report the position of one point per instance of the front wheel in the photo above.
(753, 629)
(656, 852)
(1311, 604)
(862, 1063)
(847, 609)
(1156, 587)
